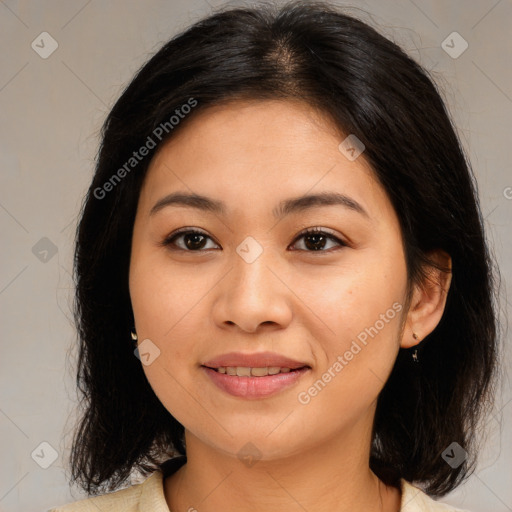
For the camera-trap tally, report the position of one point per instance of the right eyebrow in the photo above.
(191, 200)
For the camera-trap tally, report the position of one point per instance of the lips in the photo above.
(255, 388)
(254, 376)
(257, 360)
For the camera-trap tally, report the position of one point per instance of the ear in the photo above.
(428, 300)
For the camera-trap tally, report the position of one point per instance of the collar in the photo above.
(152, 495)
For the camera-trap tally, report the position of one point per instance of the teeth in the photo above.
(259, 372)
(243, 371)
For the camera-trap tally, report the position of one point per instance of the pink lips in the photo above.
(254, 387)
(259, 360)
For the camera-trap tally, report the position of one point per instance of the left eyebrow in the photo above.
(284, 208)
(298, 204)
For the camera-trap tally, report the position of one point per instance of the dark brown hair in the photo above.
(369, 87)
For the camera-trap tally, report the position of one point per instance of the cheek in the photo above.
(166, 305)
(352, 297)
(162, 295)
(358, 304)
(160, 308)
(357, 352)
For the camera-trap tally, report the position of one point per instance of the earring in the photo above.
(415, 353)
(134, 335)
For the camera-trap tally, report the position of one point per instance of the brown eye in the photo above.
(191, 240)
(316, 240)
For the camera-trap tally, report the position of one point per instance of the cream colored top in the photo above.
(148, 496)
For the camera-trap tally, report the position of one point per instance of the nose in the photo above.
(253, 296)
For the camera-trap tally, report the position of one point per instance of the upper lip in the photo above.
(257, 360)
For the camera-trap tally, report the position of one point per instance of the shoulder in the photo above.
(416, 500)
(148, 495)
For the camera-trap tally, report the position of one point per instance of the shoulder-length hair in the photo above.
(369, 87)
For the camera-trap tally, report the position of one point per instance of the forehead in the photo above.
(269, 129)
(252, 152)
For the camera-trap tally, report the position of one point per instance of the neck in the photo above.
(333, 476)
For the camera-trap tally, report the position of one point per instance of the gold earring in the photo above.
(134, 335)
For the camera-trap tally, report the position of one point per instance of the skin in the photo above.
(305, 304)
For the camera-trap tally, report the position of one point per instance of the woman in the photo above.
(272, 269)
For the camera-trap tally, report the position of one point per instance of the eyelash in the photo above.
(169, 241)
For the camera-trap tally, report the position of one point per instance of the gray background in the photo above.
(52, 110)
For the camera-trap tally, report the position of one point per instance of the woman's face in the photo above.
(249, 283)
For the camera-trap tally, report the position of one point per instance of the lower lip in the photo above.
(254, 387)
